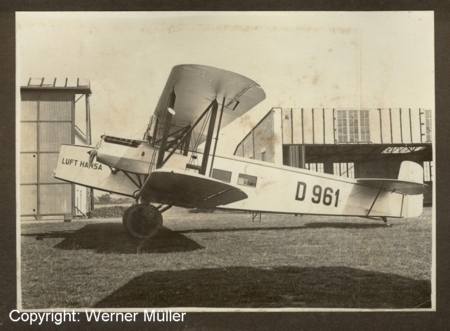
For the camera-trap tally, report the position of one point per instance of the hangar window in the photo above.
(344, 169)
(223, 175)
(428, 171)
(342, 126)
(317, 167)
(353, 126)
(247, 180)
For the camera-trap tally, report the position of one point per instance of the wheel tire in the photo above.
(143, 221)
(125, 215)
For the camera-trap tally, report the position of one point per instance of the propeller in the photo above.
(93, 153)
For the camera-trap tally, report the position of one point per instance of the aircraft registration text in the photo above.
(326, 196)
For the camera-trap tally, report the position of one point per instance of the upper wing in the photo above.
(400, 186)
(188, 190)
(196, 86)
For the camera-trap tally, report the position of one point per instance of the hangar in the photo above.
(357, 143)
(52, 113)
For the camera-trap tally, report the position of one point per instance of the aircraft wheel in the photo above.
(142, 221)
(125, 216)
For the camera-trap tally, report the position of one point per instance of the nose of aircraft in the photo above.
(93, 153)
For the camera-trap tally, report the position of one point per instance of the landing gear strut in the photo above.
(384, 218)
(142, 221)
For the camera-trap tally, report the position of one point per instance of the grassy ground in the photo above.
(226, 260)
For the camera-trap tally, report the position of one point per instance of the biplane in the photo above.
(176, 163)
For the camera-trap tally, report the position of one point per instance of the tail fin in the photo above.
(413, 204)
(411, 172)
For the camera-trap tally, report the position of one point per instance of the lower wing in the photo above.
(188, 190)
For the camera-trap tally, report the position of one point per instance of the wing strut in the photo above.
(167, 121)
(187, 134)
(217, 137)
(212, 124)
(374, 200)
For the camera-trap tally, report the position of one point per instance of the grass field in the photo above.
(226, 260)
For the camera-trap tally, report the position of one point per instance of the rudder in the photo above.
(412, 204)
(411, 172)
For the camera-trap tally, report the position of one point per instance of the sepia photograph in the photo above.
(177, 162)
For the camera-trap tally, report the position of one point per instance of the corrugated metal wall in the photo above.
(262, 138)
(320, 126)
(47, 121)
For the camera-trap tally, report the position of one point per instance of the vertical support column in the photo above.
(381, 126)
(302, 156)
(38, 153)
(88, 121)
(89, 141)
(420, 125)
(390, 124)
(167, 121)
(92, 206)
(253, 144)
(292, 127)
(401, 127)
(73, 211)
(323, 120)
(303, 129)
(334, 127)
(410, 125)
(212, 122)
(328, 167)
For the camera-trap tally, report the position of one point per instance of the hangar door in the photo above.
(47, 119)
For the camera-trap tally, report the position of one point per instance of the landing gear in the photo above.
(142, 221)
(384, 218)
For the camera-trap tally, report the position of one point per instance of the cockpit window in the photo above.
(247, 180)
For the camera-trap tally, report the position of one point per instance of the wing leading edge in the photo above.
(195, 86)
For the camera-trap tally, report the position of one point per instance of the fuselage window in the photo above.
(247, 180)
(224, 176)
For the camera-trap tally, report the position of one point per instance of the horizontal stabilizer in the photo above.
(401, 186)
(189, 190)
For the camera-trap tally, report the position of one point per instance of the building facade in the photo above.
(357, 143)
(48, 118)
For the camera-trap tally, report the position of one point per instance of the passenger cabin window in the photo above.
(247, 180)
(224, 176)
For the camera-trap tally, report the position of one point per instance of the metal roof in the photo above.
(61, 85)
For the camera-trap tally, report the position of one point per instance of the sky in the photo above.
(354, 60)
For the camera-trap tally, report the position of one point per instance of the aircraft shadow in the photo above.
(112, 238)
(317, 225)
(341, 225)
(278, 287)
(261, 228)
